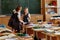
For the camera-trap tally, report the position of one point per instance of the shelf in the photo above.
(51, 7)
(50, 3)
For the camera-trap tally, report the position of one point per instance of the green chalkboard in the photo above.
(34, 6)
(8, 5)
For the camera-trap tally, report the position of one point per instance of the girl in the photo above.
(15, 21)
(26, 16)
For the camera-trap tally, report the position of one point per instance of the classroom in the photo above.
(29, 19)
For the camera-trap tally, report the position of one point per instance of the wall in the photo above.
(58, 5)
(34, 18)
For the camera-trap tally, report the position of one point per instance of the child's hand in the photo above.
(24, 23)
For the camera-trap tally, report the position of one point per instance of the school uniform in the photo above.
(14, 22)
(26, 18)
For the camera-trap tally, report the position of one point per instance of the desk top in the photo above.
(51, 31)
(6, 33)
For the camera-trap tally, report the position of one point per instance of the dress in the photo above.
(14, 22)
(25, 18)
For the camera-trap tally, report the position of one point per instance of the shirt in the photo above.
(19, 15)
(26, 18)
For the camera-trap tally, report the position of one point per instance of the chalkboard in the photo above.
(36, 6)
(8, 5)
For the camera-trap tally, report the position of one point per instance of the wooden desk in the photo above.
(55, 21)
(47, 36)
(28, 29)
(41, 34)
(25, 38)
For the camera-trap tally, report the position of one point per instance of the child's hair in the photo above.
(25, 8)
(18, 8)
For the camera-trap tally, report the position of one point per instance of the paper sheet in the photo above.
(11, 39)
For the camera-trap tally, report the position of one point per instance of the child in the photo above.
(15, 20)
(26, 16)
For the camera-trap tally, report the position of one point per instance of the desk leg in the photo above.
(26, 30)
(48, 37)
(29, 31)
(40, 35)
(58, 37)
(35, 36)
(51, 38)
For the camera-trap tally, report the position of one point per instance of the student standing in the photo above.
(16, 21)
